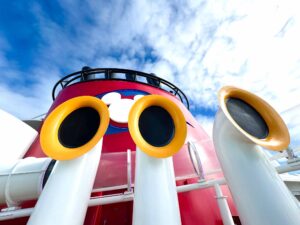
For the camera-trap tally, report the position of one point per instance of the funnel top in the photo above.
(91, 74)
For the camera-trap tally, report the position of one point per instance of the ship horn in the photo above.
(73, 130)
(243, 123)
(158, 128)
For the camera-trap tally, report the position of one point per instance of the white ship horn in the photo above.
(16, 137)
(74, 128)
(158, 128)
(243, 123)
(71, 134)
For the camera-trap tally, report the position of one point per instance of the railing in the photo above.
(289, 160)
(88, 74)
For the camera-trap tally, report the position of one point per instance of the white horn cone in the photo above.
(155, 195)
(65, 197)
(260, 195)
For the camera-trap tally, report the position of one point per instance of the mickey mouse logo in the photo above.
(119, 107)
(120, 102)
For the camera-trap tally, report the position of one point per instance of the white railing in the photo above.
(8, 214)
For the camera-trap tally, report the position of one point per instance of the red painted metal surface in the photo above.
(196, 207)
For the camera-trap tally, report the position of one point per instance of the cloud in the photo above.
(200, 46)
(292, 119)
(32, 100)
(207, 123)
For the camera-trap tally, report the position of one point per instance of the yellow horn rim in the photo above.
(278, 137)
(178, 119)
(49, 134)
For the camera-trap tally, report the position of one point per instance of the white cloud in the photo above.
(292, 119)
(212, 47)
(198, 45)
(29, 101)
(207, 123)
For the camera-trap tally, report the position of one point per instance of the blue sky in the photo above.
(198, 45)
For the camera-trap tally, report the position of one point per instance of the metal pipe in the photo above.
(105, 200)
(14, 214)
(260, 195)
(8, 215)
(285, 154)
(155, 196)
(223, 206)
(200, 185)
(66, 195)
(289, 167)
(127, 197)
(22, 180)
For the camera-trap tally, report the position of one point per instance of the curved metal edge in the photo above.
(108, 71)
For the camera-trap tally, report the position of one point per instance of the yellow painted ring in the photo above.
(179, 122)
(49, 133)
(278, 137)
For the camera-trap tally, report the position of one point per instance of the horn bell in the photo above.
(157, 126)
(254, 118)
(74, 127)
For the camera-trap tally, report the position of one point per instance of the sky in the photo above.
(199, 46)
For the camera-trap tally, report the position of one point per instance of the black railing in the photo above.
(88, 74)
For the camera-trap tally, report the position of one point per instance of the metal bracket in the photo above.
(291, 157)
(196, 161)
(9, 209)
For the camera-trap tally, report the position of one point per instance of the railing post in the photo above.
(223, 206)
(129, 189)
